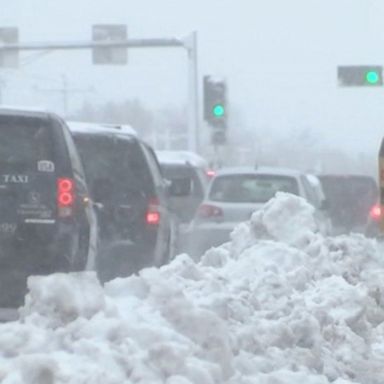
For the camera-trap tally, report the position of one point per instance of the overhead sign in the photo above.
(9, 59)
(109, 33)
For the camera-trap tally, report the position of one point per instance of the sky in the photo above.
(279, 59)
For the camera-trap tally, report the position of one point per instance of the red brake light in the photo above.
(375, 212)
(65, 199)
(206, 211)
(65, 185)
(152, 216)
(65, 196)
(211, 173)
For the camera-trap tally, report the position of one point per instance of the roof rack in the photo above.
(87, 126)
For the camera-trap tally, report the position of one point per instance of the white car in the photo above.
(235, 193)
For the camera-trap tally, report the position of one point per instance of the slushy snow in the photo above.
(277, 304)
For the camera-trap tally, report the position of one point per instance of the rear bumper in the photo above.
(35, 251)
(202, 237)
(39, 249)
(8, 314)
(373, 230)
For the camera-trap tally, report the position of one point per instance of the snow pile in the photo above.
(278, 304)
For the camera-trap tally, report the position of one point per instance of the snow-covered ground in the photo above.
(278, 304)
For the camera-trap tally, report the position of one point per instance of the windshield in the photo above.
(250, 188)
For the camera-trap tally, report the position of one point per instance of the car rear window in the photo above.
(113, 167)
(24, 142)
(175, 172)
(251, 188)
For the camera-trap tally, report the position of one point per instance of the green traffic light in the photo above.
(218, 110)
(372, 77)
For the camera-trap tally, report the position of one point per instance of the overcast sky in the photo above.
(279, 58)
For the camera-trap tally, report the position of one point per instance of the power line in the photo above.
(65, 92)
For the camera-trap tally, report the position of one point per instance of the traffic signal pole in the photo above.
(193, 115)
(189, 43)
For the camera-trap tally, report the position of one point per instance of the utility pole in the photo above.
(64, 91)
(193, 124)
(65, 95)
(2, 86)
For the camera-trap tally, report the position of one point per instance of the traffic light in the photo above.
(360, 75)
(215, 103)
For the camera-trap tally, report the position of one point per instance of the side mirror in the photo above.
(180, 187)
(98, 206)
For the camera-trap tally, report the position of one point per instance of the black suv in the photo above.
(137, 228)
(47, 222)
(350, 199)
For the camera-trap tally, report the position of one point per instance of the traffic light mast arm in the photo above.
(131, 43)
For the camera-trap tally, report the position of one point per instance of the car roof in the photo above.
(101, 128)
(313, 179)
(262, 170)
(344, 176)
(9, 110)
(167, 157)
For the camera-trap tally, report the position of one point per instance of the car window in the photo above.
(251, 188)
(24, 142)
(153, 165)
(174, 172)
(116, 165)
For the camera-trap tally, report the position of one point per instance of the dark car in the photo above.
(137, 228)
(350, 199)
(47, 221)
(373, 227)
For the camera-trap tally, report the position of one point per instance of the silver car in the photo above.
(235, 193)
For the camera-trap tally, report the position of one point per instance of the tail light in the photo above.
(209, 211)
(210, 173)
(375, 212)
(65, 196)
(152, 216)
